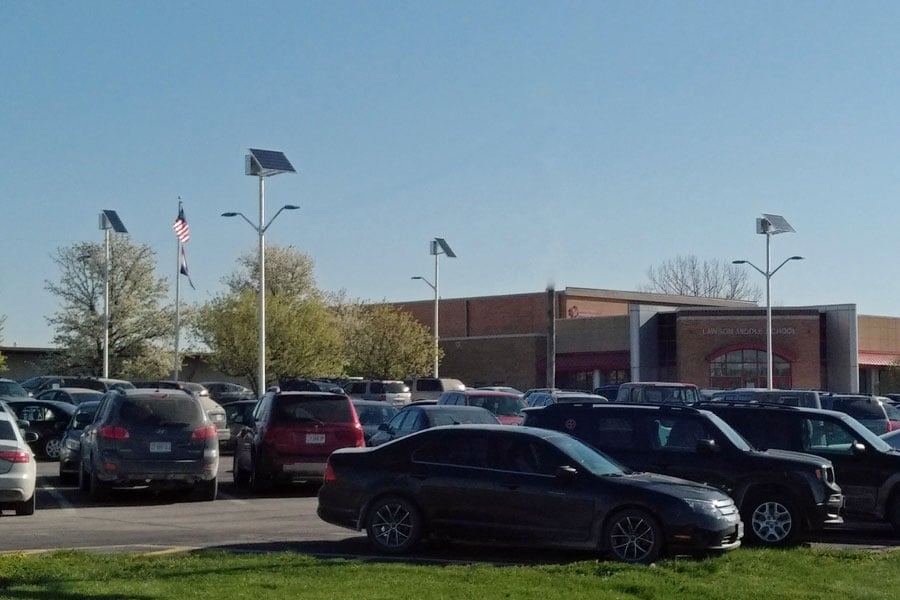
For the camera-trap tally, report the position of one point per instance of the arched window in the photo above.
(747, 367)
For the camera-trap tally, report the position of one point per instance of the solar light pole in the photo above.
(263, 163)
(109, 221)
(437, 247)
(769, 225)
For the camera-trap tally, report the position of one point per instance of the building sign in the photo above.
(745, 331)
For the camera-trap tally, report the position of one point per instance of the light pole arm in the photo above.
(244, 217)
(784, 262)
(275, 216)
(760, 271)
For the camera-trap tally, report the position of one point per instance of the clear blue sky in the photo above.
(573, 143)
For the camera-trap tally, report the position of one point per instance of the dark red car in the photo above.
(291, 436)
(506, 406)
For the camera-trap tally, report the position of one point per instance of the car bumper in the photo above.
(708, 534)
(145, 473)
(829, 512)
(16, 487)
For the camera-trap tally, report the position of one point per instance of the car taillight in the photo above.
(360, 435)
(15, 456)
(113, 433)
(329, 472)
(205, 433)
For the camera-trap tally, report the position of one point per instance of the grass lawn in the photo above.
(754, 574)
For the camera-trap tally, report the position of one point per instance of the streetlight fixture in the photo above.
(109, 221)
(437, 247)
(262, 164)
(770, 225)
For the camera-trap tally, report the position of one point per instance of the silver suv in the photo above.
(431, 388)
(394, 392)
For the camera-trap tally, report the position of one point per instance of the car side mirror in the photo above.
(566, 474)
(707, 447)
(857, 448)
(30, 437)
(22, 423)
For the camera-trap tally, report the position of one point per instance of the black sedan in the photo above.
(521, 486)
(46, 418)
(416, 417)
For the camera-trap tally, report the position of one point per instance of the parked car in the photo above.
(12, 390)
(417, 417)
(18, 472)
(372, 415)
(70, 446)
(865, 465)
(658, 392)
(238, 414)
(395, 393)
(292, 435)
(45, 418)
(539, 399)
(505, 406)
(36, 385)
(155, 438)
(213, 409)
(70, 395)
(225, 391)
(609, 391)
(807, 398)
(876, 413)
(779, 493)
(532, 487)
(431, 388)
(501, 388)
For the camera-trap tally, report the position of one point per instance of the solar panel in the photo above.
(268, 162)
(440, 245)
(110, 220)
(778, 224)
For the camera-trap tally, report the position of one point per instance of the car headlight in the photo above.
(707, 507)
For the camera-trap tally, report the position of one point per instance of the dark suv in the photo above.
(149, 438)
(291, 436)
(777, 492)
(867, 468)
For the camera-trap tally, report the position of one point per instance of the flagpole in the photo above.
(177, 298)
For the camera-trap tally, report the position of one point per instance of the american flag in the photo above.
(181, 227)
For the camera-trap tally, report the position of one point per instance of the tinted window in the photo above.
(374, 415)
(462, 451)
(396, 387)
(6, 431)
(457, 417)
(428, 385)
(614, 432)
(859, 408)
(158, 412)
(376, 387)
(507, 406)
(290, 409)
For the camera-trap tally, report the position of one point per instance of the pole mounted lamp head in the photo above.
(264, 163)
(440, 246)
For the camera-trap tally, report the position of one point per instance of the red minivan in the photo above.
(291, 436)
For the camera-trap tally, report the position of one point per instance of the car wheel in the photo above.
(241, 477)
(206, 491)
(259, 480)
(84, 481)
(96, 489)
(633, 536)
(51, 448)
(770, 520)
(27, 507)
(394, 525)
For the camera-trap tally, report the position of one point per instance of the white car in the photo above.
(18, 470)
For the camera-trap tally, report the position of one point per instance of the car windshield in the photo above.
(587, 457)
(375, 415)
(457, 417)
(11, 388)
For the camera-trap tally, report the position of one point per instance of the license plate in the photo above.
(315, 438)
(160, 446)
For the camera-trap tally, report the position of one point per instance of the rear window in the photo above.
(6, 431)
(859, 408)
(290, 409)
(506, 406)
(159, 412)
(11, 388)
(375, 415)
(396, 388)
(429, 385)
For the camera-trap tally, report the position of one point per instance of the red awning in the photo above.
(878, 359)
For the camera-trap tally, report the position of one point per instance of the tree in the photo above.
(384, 342)
(139, 326)
(688, 276)
(302, 335)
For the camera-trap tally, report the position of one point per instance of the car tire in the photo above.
(633, 536)
(241, 477)
(51, 448)
(97, 489)
(394, 525)
(27, 507)
(84, 481)
(206, 491)
(770, 520)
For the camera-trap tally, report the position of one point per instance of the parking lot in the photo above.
(284, 520)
